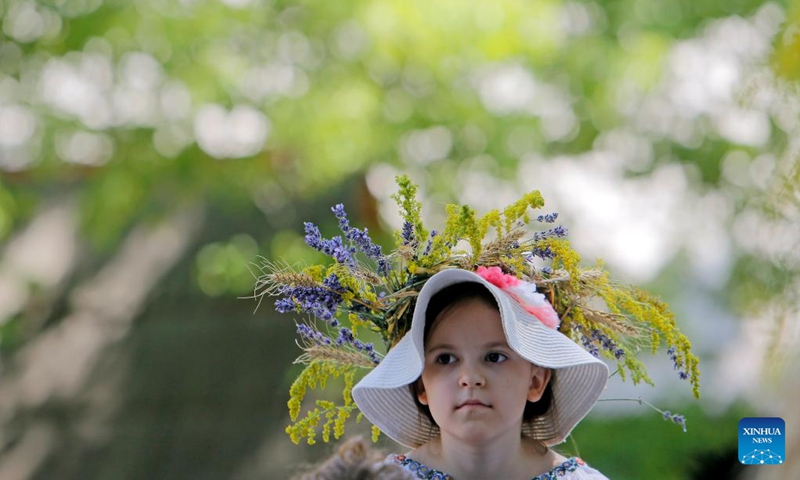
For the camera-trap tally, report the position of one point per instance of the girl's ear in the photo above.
(422, 395)
(540, 377)
(419, 390)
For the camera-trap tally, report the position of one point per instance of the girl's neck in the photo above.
(510, 457)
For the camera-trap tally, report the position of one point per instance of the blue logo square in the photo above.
(762, 441)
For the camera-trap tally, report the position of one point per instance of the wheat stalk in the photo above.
(333, 354)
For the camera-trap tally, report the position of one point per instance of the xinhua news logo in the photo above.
(762, 441)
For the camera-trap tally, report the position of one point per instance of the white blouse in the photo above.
(572, 469)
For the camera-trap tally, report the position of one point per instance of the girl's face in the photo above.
(475, 385)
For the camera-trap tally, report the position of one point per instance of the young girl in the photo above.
(482, 373)
(481, 386)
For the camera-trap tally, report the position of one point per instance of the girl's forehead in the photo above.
(468, 319)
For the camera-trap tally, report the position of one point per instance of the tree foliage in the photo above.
(671, 126)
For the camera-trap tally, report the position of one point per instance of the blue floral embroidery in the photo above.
(418, 469)
(426, 473)
(569, 466)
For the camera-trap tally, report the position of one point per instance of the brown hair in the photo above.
(356, 461)
(445, 300)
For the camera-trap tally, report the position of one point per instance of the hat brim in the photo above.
(385, 399)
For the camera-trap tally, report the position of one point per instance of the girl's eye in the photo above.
(445, 359)
(496, 357)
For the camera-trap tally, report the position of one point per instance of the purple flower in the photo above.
(285, 305)
(598, 339)
(313, 236)
(673, 355)
(548, 218)
(346, 337)
(338, 211)
(408, 234)
(590, 346)
(321, 301)
(333, 247)
(332, 283)
(558, 232)
(680, 420)
(312, 334)
(675, 418)
(430, 242)
(361, 239)
(544, 253)
(341, 253)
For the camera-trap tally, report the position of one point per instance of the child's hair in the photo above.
(444, 301)
(356, 461)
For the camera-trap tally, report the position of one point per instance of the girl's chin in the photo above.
(477, 433)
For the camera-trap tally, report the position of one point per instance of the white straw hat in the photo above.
(579, 378)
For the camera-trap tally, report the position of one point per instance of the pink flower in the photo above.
(495, 276)
(523, 293)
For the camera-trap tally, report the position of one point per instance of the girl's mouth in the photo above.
(472, 404)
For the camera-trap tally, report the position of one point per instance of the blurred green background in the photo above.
(151, 150)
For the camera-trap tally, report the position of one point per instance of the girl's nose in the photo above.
(471, 377)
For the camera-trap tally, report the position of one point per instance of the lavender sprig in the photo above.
(361, 239)
(430, 242)
(591, 342)
(547, 218)
(589, 346)
(558, 232)
(666, 414)
(346, 337)
(672, 353)
(321, 301)
(333, 247)
(408, 235)
(544, 253)
(341, 215)
(675, 418)
(315, 336)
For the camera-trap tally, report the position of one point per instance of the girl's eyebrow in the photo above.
(447, 346)
(440, 346)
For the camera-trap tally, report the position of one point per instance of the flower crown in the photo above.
(364, 292)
